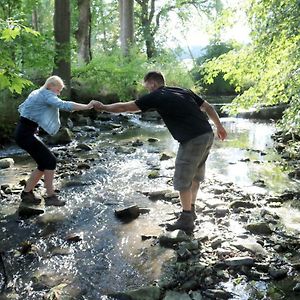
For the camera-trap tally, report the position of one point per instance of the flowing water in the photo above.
(112, 256)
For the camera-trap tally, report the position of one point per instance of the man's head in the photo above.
(54, 84)
(154, 80)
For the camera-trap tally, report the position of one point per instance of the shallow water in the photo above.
(112, 256)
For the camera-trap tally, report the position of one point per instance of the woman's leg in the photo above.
(34, 178)
(49, 176)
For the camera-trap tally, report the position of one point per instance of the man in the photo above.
(183, 113)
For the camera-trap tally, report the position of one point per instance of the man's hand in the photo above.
(221, 132)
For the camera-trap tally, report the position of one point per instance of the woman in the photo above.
(41, 109)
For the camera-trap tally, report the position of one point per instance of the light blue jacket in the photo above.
(42, 106)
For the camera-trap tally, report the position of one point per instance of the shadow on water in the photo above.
(112, 256)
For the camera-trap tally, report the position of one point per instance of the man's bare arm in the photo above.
(206, 107)
(117, 107)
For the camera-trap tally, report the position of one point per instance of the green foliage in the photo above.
(267, 71)
(115, 74)
(213, 84)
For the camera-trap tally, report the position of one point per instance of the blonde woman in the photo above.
(41, 109)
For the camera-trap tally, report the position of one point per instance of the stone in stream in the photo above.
(252, 246)
(239, 261)
(128, 213)
(240, 203)
(6, 163)
(173, 295)
(259, 228)
(144, 293)
(170, 239)
(64, 136)
(276, 273)
(27, 211)
(84, 146)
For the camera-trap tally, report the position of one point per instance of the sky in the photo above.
(198, 32)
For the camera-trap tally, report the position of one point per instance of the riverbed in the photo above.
(112, 256)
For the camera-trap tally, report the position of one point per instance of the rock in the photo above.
(247, 245)
(165, 156)
(153, 174)
(26, 211)
(172, 295)
(259, 228)
(216, 242)
(128, 213)
(277, 274)
(170, 239)
(83, 166)
(153, 140)
(6, 163)
(74, 237)
(137, 143)
(239, 261)
(64, 136)
(156, 195)
(196, 296)
(217, 294)
(84, 146)
(239, 203)
(221, 211)
(145, 293)
(259, 183)
(296, 288)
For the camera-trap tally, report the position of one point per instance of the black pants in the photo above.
(26, 139)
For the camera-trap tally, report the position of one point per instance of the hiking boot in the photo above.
(54, 201)
(30, 198)
(185, 222)
(177, 214)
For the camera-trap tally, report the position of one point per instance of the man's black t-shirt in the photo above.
(180, 110)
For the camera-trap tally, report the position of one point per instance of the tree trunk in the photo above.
(126, 24)
(35, 19)
(83, 33)
(62, 58)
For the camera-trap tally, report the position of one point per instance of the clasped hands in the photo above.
(97, 105)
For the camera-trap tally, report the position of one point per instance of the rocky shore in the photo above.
(240, 241)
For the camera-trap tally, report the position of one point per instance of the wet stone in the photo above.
(242, 204)
(27, 211)
(277, 274)
(239, 261)
(145, 293)
(172, 295)
(6, 163)
(259, 228)
(170, 239)
(128, 213)
(84, 146)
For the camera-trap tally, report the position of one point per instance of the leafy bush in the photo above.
(115, 74)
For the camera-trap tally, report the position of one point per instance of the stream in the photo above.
(112, 256)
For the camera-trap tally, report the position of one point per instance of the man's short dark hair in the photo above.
(155, 76)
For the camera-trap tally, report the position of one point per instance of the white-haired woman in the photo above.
(41, 109)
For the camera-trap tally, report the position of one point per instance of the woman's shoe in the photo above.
(54, 201)
(30, 198)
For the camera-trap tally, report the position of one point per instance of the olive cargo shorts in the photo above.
(190, 161)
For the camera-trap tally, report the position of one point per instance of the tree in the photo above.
(126, 8)
(151, 15)
(266, 72)
(62, 58)
(83, 33)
